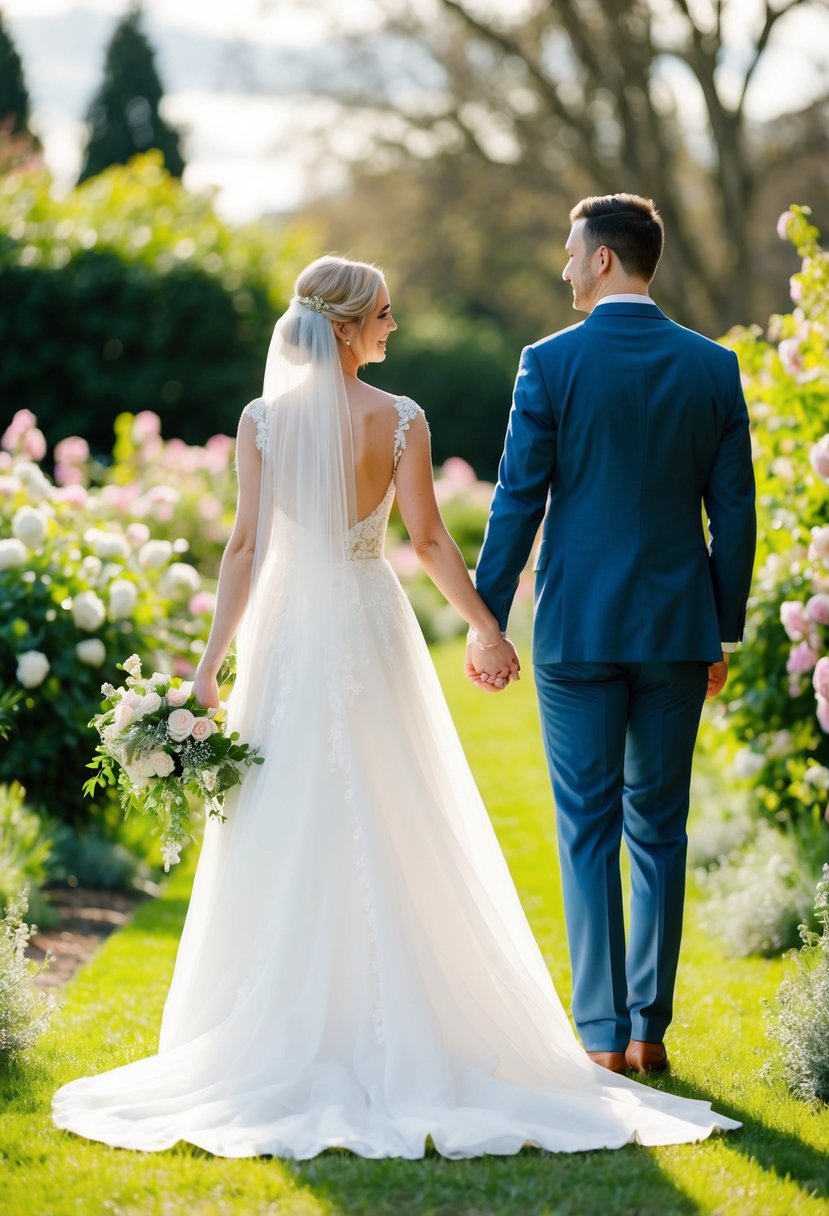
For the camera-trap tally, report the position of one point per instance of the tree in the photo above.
(123, 117)
(588, 96)
(14, 96)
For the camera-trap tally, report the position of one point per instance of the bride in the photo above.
(355, 969)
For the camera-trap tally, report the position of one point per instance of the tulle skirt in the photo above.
(355, 969)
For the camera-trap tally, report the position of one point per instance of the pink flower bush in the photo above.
(794, 618)
(819, 458)
(801, 659)
(820, 679)
(790, 356)
(817, 607)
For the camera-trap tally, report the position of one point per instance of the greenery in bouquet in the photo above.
(799, 1023)
(80, 585)
(157, 746)
(776, 708)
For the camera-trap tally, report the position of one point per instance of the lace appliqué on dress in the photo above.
(259, 414)
(407, 411)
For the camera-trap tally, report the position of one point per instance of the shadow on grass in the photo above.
(777, 1151)
(532, 1183)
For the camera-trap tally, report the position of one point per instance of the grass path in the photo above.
(778, 1164)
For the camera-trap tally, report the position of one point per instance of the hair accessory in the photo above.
(315, 303)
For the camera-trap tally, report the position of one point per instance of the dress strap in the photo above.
(258, 412)
(407, 411)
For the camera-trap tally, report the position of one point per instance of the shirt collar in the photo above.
(624, 298)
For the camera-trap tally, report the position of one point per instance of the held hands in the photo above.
(492, 668)
(717, 676)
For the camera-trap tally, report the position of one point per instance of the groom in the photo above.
(622, 427)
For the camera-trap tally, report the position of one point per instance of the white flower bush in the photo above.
(81, 583)
(32, 668)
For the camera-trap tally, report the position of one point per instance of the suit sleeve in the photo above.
(729, 501)
(520, 497)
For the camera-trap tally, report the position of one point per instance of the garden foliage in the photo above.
(777, 696)
(130, 293)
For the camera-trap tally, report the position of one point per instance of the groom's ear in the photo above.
(602, 259)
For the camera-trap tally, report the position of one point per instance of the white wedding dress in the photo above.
(356, 970)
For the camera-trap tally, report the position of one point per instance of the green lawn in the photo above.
(777, 1164)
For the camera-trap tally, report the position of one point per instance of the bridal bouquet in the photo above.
(157, 745)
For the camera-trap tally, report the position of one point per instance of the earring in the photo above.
(348, 341)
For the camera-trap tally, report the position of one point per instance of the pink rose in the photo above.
(823, 714)
(177, 696)
(203, 728)
(794, 619)
(818, 608)
(123, 716)
(801, 659)
(783, 225)
(819, 456)
(819, 548)
(820, 679)
(790, 356)
(179, 724)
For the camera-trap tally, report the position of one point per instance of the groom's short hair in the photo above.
(628, 224)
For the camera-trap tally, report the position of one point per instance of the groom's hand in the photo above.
(492, 668)
(717, 676)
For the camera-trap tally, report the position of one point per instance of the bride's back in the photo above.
(374, 419)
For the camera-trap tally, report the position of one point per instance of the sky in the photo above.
(232, 69)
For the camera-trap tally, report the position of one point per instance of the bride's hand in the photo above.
(492, 668)
(206, 689)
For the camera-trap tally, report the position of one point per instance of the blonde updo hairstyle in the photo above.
(348, 288)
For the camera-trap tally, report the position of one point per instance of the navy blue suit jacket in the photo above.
(622, 427)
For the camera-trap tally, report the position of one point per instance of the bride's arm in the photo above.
(236, 567)
(438, 553)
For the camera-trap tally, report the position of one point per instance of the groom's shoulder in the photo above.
(714, 353)
(573, 333)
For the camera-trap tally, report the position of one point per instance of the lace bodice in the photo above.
(366, 538)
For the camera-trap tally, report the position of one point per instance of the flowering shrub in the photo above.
(25, 851)
(777, 704)
(24, 1013)
(79, 586)
(799, 1023)
(758, 895)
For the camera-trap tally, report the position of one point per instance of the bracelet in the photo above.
(489, 645)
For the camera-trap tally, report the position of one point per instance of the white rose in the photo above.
(29, 526)
(154, 554)
(177, 696)
(123, 596)
(138, 779)
(33, 480)
(12, 553)
(148, 704)
(91, 651)
(107, 544)
(123, 716)
(88, 611)
(817, 774)
(180, 724)
(90, 568)
(157, 764)
(746, 763)
(179, 579)
(32, 668)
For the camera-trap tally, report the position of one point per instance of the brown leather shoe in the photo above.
(614, 1061)
(645, 1057)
